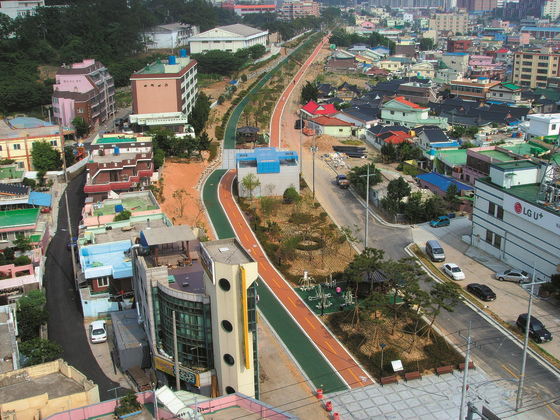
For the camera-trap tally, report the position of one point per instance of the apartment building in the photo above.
(477, 6)
(165, 86)
(298, 8)
(84, 90)
(532, 69)
(458, 45)
(551, 8)
(450, 22)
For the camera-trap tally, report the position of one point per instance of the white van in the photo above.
(435, 251)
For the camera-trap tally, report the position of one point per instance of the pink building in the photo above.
(84, 90)
(480, 60)
(368, 25)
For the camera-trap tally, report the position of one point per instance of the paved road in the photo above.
(66, 324)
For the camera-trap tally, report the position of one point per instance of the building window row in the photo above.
(493, 239)
(495, 210)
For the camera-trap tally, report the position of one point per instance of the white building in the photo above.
(14, 9)
(551, 8)
(541, 126)
(516, 222)
(173, 35)
(227, 38)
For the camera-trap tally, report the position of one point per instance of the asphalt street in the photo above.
(66, 323)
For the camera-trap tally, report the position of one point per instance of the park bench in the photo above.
(444, 369)
(412, 375)
(389, 380)
(471, 366)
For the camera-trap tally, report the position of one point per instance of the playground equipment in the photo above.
(324, 302)
(306, 281)
(348, 298)
(330, 282)
(319, 293)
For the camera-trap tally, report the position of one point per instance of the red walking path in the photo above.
(337, 355)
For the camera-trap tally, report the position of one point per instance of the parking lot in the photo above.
(512, 299)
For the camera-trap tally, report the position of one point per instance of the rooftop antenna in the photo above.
(549, 190)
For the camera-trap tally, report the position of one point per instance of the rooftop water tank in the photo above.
(117, 151)
(172, 60)
(183, 53)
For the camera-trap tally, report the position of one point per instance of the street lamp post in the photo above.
(382, 345)
(367, 207)
(314, 149)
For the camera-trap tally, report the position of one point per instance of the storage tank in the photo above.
(172, 60)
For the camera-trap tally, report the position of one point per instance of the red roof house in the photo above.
(312, 109)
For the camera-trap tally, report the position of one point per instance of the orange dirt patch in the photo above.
(185, 176)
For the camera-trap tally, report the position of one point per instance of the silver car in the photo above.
(515, 275)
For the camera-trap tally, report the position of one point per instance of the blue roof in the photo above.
(442, 182)
(268, 159)
(455, 53)
(106, 260)
(39, 199)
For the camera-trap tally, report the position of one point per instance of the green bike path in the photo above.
(310, 360)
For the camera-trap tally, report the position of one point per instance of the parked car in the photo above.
(537, 330)
(72, 243)
(481, 291)
(342, 181)
(453, 271)
(435, 251)
(299, 124)
(98, 332)
(440, 221)
(516, 275)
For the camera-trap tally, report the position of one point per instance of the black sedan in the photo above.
(481, 291)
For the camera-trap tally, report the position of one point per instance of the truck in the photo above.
(342, 181)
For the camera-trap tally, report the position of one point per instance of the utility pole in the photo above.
(300, 143)
(466, 372)
(313, 149)
(518, 402)
(367, 206)
(70, 232)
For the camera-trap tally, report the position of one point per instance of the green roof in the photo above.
(10, 172)
(525, 149)
(510, 86)
(116, 140)
(549, 93)
(516, 164)
(155, 68)
(453, 157)
(19, 218)
(496, 154)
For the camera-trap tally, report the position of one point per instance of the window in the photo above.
(497, 241)
(3, 236)
(543, 57)
(489, 237)
(17, 146)
(491, 209)
(543, 78)
(500, 214)
(103, 281)
(528, 63)
(542, 71)
(526, 70)
(526, 76)
(80, 110)
(543, 64)
(392, 112)
(501, 95)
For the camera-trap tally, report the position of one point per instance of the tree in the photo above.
(358, 174)
(434, 207)
(417, 299)
(413, 209)
(45, 157)
(398, 189)
(426, 44)
(22, 242)
(452, 195)
(444, 296)
(81, 126)
(31, 315)
(204, 141)
(363, 266)
(471, 131)
(250, 183)
(69, 156)
(467, 145)
(39, 351)
(309, 92)
(180, 197)
(408, 151)
(388, 153)
(200, 112)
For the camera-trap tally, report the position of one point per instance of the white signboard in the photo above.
(532, 213)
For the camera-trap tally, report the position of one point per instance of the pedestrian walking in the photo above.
(338, 292)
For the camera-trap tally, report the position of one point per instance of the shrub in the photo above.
(123, 215)
(22, 260)
(291, 196)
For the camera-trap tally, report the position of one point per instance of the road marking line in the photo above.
(357, 380)
(262, 265)
(310, 323)
(514, 375)
(330, 347)
(292, 301)
(274, 280)
(549, 407)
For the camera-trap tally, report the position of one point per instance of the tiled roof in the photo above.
(403, 101)
(314, 108)
(376, 129)
(330, 121)
(397, 137)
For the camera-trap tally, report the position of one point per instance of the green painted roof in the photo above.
(525, 148)
(9, 172)
(549, 93)
(453, 157)
(496, 154)
(113, 140)
(18, 218)
(517, 164)
(510, 86)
